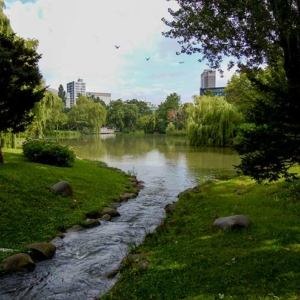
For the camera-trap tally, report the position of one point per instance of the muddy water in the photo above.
(167, 166)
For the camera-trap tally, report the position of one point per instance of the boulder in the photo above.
(127, 196)
(170, 208)
(63, 188)
(106, 217)
(110, 211)
(19, 262)
(42, 251)
(57, 242)
(232, 222)
(90, 223)
(75, 228)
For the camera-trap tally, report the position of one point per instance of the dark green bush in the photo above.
(49, 152)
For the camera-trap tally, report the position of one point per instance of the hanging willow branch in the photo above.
(212, 121)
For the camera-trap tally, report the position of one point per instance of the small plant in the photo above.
(49, 152)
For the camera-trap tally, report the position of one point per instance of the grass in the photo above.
(190, 260)
(30, 213)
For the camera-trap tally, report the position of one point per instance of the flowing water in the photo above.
(167, 165)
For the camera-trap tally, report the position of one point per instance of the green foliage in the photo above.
(4, 21)
(48, 115)
(62, 94)
(167, 111)
(49, 152)
(87, 115)
(20, 83)
(170, 128)
(212, 121)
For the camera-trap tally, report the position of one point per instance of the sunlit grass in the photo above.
(190, 260)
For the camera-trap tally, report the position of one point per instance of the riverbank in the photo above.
(29, 213)
(186, 259)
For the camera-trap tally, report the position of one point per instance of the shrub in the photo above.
(49, 152)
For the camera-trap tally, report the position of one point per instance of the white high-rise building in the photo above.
(76, 88)
(208, 79)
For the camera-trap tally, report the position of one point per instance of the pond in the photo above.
(167, 165)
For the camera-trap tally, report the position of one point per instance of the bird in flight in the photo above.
(181, 62)
(147, 58)
(117, 47)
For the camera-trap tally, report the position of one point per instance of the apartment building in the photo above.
(76, 88)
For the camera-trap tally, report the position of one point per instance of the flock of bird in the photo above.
(147, 58)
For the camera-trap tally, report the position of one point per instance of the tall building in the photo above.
(106, 97)
(208, 82)
(75, 88)
(208, 79)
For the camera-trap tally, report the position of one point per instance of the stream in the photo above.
(77, 271)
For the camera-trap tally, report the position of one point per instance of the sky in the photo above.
(77, 39)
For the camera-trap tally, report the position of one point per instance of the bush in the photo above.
(49, 152)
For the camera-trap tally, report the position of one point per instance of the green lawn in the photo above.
(189, 260)
(30, 213)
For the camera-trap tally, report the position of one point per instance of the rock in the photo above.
(127, 196)
(133, 257)
(42, 251)
(170, 208)
(110, 274)
(232, 222)
(185, 192)
(143, 264)
(19, 262)
(195, 189)
(75, 228)
(106, 217)
(57, 242)
(110, 211)
(63, 187)
(90, 223)
(115, 205)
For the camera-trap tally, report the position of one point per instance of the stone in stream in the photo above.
(19, 262)
(42, 251)
(110, 211)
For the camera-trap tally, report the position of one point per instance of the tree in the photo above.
(166, 112)
(87, 115)
(252, 34)
(131, 116)
(20, 83)
(62, 94)
(115, 114)
(212, 121)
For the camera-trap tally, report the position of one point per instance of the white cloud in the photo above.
(77, 39)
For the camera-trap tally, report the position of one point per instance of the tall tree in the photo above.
(62, 94)
(166, 111)
(252, 34)
(20, 83)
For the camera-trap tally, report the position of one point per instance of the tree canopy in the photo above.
(20, 82)
(251, 35)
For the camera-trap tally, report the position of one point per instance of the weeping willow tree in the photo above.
(212, 121)
(44, 112)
